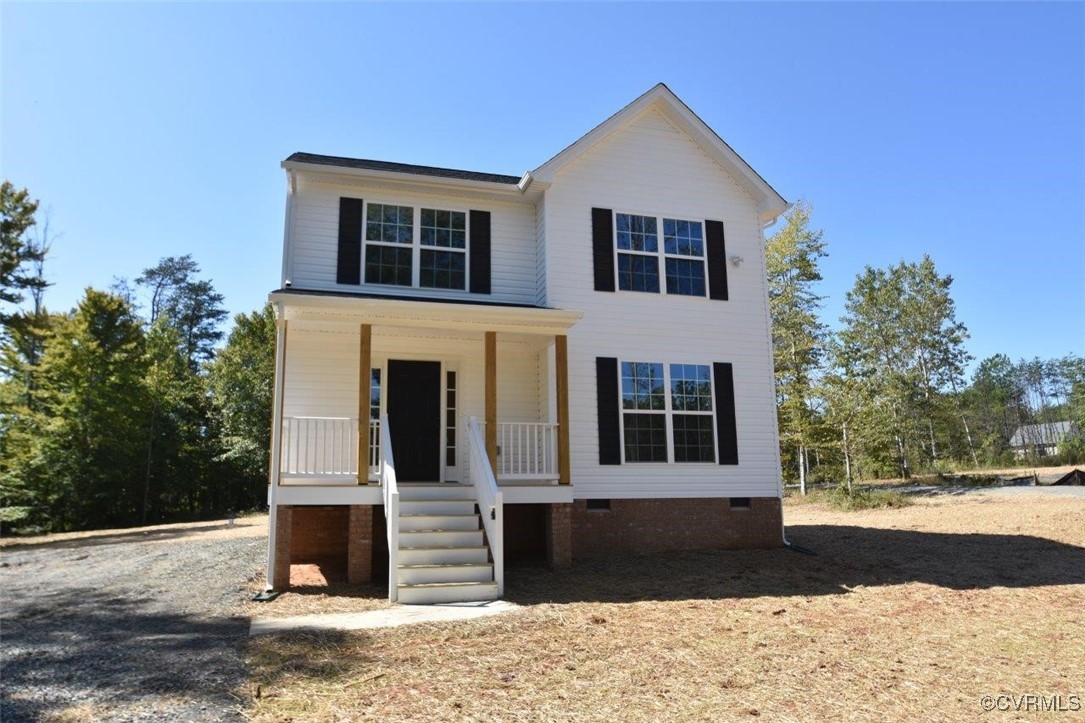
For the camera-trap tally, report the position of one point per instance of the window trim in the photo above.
(416, 245)
(668, 411)
(660, 254)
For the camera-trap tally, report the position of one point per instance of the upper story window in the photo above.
(434, 257)
(629, 255)
(409, 246)
(639, 254)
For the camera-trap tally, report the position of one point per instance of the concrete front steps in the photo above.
(443, 556)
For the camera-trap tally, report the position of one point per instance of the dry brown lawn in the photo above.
(904, 614)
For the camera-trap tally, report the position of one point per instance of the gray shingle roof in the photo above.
(1049, 433)
(341, 162)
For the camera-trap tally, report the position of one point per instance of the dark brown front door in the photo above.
(414, 419)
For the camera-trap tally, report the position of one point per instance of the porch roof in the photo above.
(299, 305)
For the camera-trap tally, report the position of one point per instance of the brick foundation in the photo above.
(660, 525)
(337, 538)
(284, 526)
(320, 535)
(360, 544)
(559, 536)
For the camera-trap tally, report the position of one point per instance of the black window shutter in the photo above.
(717, 260)
(348, 266)
(610, 440)
(480, 252)
(726, 427)
(602, 245)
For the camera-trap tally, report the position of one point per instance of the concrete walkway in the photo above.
(389, 618)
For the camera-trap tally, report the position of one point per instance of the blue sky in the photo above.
(955, 130)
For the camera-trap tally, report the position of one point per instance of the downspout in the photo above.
(274, 466)
(771, 368)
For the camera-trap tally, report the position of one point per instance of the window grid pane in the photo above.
(685, 277)
(642, 386)
(638, 272)
(387, 265)
(447, 229)
(691, 388)
(683, 238)
(443, 269)
(385, 223)
(637, 233)
(645, 437)
(693, 438)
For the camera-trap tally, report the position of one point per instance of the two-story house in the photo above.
(473, 368)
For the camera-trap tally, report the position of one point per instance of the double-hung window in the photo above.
(424, 247)
(640, 254)
(667, 412)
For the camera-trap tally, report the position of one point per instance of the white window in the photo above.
(640, 254)
(425, 247)
(667, 412)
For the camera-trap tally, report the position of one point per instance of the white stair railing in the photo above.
(528, 451)
(488, 496)
(390, 492)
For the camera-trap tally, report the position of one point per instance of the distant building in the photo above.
(1042, 440)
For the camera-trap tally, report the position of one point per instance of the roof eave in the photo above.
(433, 313)
(510, 189)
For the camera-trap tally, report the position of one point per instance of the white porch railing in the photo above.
(527, 451)
(390, 492)
(489, 498)
(325, 447)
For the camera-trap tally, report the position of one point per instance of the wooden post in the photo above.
(365, 381)
(561, 372)
(491, 399)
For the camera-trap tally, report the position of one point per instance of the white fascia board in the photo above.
(426, 314)
(489, 187)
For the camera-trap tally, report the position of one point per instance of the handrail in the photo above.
(489, 498)
(390, 491)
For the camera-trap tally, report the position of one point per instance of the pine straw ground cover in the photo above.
(904, 614)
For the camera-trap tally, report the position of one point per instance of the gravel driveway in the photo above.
(126, 627)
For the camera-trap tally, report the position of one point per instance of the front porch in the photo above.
(373, 396)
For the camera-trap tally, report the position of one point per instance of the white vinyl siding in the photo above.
(653, 166)
(313, 247)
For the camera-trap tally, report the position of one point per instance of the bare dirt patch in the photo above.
(903, 613)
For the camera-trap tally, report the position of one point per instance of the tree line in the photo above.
(886, 394)
(133, 409)
(129, 409)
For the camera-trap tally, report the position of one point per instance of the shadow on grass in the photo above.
(847, 557)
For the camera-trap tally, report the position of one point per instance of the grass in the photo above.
(839, 498)
(905, 612)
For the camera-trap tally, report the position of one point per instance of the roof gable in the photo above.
(770, 203)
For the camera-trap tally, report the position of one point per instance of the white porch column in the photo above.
(274, 463)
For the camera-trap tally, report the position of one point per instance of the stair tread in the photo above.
(447, 584)
(426, 566)
(445, 547)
